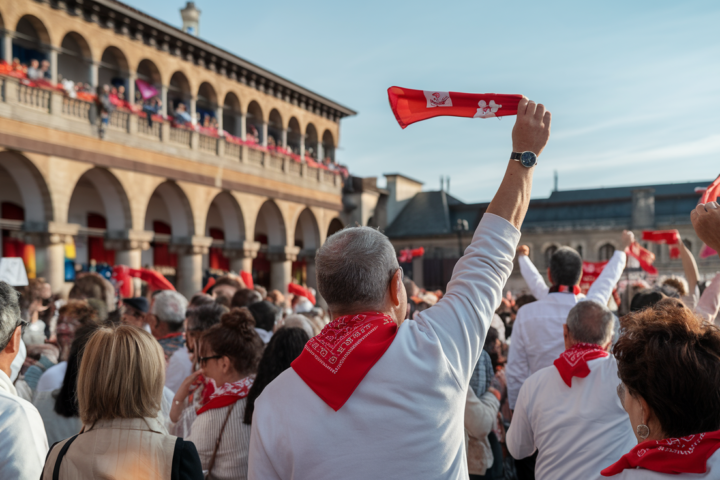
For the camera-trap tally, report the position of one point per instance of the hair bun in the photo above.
(239, 319)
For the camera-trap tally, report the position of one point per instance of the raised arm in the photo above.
(461, 319)
(689, 266)
(602, 288)
(535, 281)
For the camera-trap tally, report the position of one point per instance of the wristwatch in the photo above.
(526, 159)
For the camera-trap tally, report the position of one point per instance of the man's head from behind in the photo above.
(10, 320)
(357, 271)
(565, 267)
(589, 322)
(167, 313)
(245, 297)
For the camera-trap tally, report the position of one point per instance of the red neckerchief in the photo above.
(214, 397)
(334, 362)
(573, 361)
(171, 335)
(672, 455)
(575, 289)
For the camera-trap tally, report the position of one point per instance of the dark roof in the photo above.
(434, 213)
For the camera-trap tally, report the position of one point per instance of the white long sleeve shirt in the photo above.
(709, 303)
(577, 431)
(406, 418)
(537, 336)
(23, 443)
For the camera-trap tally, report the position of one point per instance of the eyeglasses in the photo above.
(202, 360)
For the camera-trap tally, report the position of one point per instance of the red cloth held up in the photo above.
(712, 192)
(644, 256)
(301, 291)
(209, 284)
(573, 361)
(155, 280)
(669, 237)
(410, 106)
(247, 279)
(408, 254)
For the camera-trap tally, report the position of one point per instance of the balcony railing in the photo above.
(55, 102)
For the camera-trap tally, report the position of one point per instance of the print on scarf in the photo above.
(438, 99)
(487, 110)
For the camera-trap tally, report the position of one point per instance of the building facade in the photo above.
(590, 221)
(247, 193)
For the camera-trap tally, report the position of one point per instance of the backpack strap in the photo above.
(217, 444)
(58, 460)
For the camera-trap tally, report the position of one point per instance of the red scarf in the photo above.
(669, 237)
(214, 397)
(644, 256)
(672, 455)
(575, 289)
(410, 106)
(573, 361)
(334, 362)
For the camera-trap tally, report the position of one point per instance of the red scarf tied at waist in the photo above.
(219, 397)
(334, 362)
(410, 106)
(573, 361)
(672, 455)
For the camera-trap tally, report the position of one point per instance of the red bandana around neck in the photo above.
(575, 289)
(410, 106)
(334, 362)
(573, 361)
(218, 397)
(672, 455)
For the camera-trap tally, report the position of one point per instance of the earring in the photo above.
(642, 431)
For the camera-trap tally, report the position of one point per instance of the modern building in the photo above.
(590, 221)
(182, 197)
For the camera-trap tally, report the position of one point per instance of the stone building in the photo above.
(150, 194)
(591, 221)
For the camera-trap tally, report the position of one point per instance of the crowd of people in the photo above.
(385, 380)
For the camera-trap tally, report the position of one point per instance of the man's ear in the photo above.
(396, 290)
(13, 346)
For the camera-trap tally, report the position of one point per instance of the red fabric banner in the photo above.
(590, 272)
(410, 106)
(301, 291)
(334, 362)
(408, 254)
(669, 237)
(712, 192)
(247, 279)
(644, 256)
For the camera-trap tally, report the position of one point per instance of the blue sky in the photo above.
(634, 87)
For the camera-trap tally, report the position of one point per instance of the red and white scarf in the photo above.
(334, 362)
(229, 393)
(573, 361)
(410, 106)
(672, 455)
(574, 289)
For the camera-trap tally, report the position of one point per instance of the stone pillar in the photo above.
(320, 152)
(241, 255)
(189, 270)
(302, 146)
(284, 138)
(130, 91)
(7, 46)
(281, 259)
(264, 134)
(193, 109)
(94, 75)
(128, 246)
(53, 66)
(219, 115)
(164, 100)
(417, 265)
(243, 127)
(50, 246)
(311, 274)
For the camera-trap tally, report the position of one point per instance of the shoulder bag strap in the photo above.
(217, 444)
(58, 460)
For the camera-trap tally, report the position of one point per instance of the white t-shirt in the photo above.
(52, 379)
(406, 417)
(23, 444)
(577, 431)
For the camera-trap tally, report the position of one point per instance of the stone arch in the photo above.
(113, 68)
(22, 184)
(74, 58)
(294, 134)
(328, 145)
(270, 224)
(206, 104)
(311, 141)
(31, 40)
(225, 224)
(275, 128)
(148, 71)
(307, 232)
(254, 121)
(178, 91)
(177, 212)
(231, 114)
(335, 226)
(605, 251)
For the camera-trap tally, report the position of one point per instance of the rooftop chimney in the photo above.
(191, 19)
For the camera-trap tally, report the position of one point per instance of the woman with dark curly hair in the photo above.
(669, 366)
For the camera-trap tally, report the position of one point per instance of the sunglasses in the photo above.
(202, 360)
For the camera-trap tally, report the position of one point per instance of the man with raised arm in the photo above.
(378, 397)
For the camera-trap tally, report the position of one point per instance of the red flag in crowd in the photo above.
(590, 272)
(301, 291)
(209, 284)
(247, 279)
(410, 106)
(408, 254)
(644, 256)
(669, 237)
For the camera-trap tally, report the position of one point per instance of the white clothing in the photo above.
(23, 444)
(537, 336)
(577, 431)
(34, 333)
(712, 473)
(535, 282)
(480, 417)
(52, 378)
(264, 335)
(17, 364)
(231, 461)
(498, 325)
(57, 427)
(405, 419)
(709, 303)
(178, 369)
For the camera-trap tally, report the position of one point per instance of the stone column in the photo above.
(219, 115)
(281, 258)
(193, 109)
(53, 66)
(130, 91)
(264, 134)
(94, 75)
(243, 127)
(7, 46)
(309, 256)
(417, 265)
(302, 146)
(50, 246)
(241, 255)
(128, 246)
(320, 152)
(189, 269)
(284, 138)
(164, 100)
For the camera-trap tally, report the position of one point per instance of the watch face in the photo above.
(528, 159)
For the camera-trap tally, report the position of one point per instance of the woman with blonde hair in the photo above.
(119, 391)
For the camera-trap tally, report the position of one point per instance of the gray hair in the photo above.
(169, 306)
(354, 268)
(299, 321)
(565, 266)
(9, 313)
(591, 322)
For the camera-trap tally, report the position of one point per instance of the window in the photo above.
(606, 251)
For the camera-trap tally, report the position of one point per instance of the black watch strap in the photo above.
(515, 155)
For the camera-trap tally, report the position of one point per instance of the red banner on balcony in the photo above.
(410, 106)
